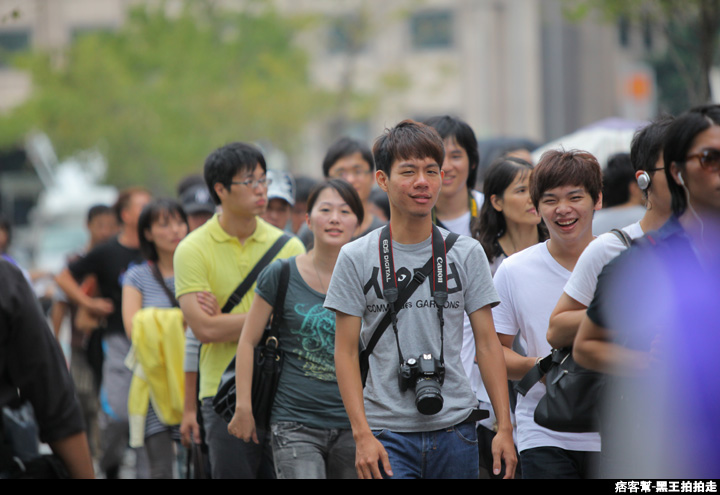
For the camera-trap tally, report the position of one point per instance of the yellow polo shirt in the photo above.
(211, 260)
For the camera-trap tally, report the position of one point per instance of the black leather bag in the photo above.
(573, 393)
(267, 366)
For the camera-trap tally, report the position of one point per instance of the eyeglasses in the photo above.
(253, 183)
(354, 173)
(709, 159)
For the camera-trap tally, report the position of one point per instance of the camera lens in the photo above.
(428, 399)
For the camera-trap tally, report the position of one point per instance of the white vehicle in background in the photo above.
(57, 225)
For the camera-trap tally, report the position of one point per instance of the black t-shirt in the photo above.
(32, 366)
(108, 262)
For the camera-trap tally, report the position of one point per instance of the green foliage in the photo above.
(691, 29)
(162, 92)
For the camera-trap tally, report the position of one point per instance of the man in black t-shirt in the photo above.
(32, 368)
(108, 262)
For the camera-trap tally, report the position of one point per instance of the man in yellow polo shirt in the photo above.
(214, 259)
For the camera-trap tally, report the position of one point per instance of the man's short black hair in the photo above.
(617, 177)
(407, 140)
(98, 210)
(462, 133)
(223, 164)
(345, 147)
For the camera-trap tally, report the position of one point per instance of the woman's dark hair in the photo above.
(678, 140)
(346, 191)
(345, 147)
(156, 210)
(490, 224)
(462, 133)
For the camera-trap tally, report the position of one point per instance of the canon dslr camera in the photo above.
(425, 375)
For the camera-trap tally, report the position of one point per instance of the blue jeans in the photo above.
(302, 452)
(451, 453)
(557, 463)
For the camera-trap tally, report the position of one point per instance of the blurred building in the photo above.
(508, 67)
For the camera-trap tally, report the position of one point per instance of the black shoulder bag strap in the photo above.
(282, 287)
(245, 285)
(623, 236)
(402, 297)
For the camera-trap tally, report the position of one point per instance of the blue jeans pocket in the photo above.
(466, 433)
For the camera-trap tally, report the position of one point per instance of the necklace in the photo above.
(317, 272)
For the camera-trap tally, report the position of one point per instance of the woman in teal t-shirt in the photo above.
(311, 435)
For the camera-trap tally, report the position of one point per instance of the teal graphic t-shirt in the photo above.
(308, 392)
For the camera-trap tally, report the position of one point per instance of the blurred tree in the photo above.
(163, 91)
(691, 29)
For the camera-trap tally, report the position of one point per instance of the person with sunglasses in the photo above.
(651, 323)
(209, 264)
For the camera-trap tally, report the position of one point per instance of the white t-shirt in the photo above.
(582, 282)
(461, 224)
(530, 284)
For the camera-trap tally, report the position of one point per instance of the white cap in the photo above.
(282, 186)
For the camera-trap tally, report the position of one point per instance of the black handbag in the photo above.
(267, 366)
(572, 399)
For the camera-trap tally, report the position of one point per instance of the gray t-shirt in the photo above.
(308, 391)
(356, 289)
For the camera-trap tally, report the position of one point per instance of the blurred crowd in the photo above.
(618, 262)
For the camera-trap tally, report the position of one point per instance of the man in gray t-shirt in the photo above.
(393, 438)
(469, 289)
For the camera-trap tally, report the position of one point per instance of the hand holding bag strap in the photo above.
(535, 374)
(410, 288)
(245, 285)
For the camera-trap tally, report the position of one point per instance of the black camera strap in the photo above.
(438, 268)
(402, 297)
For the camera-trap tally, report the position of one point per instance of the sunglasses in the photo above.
(709, 159)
